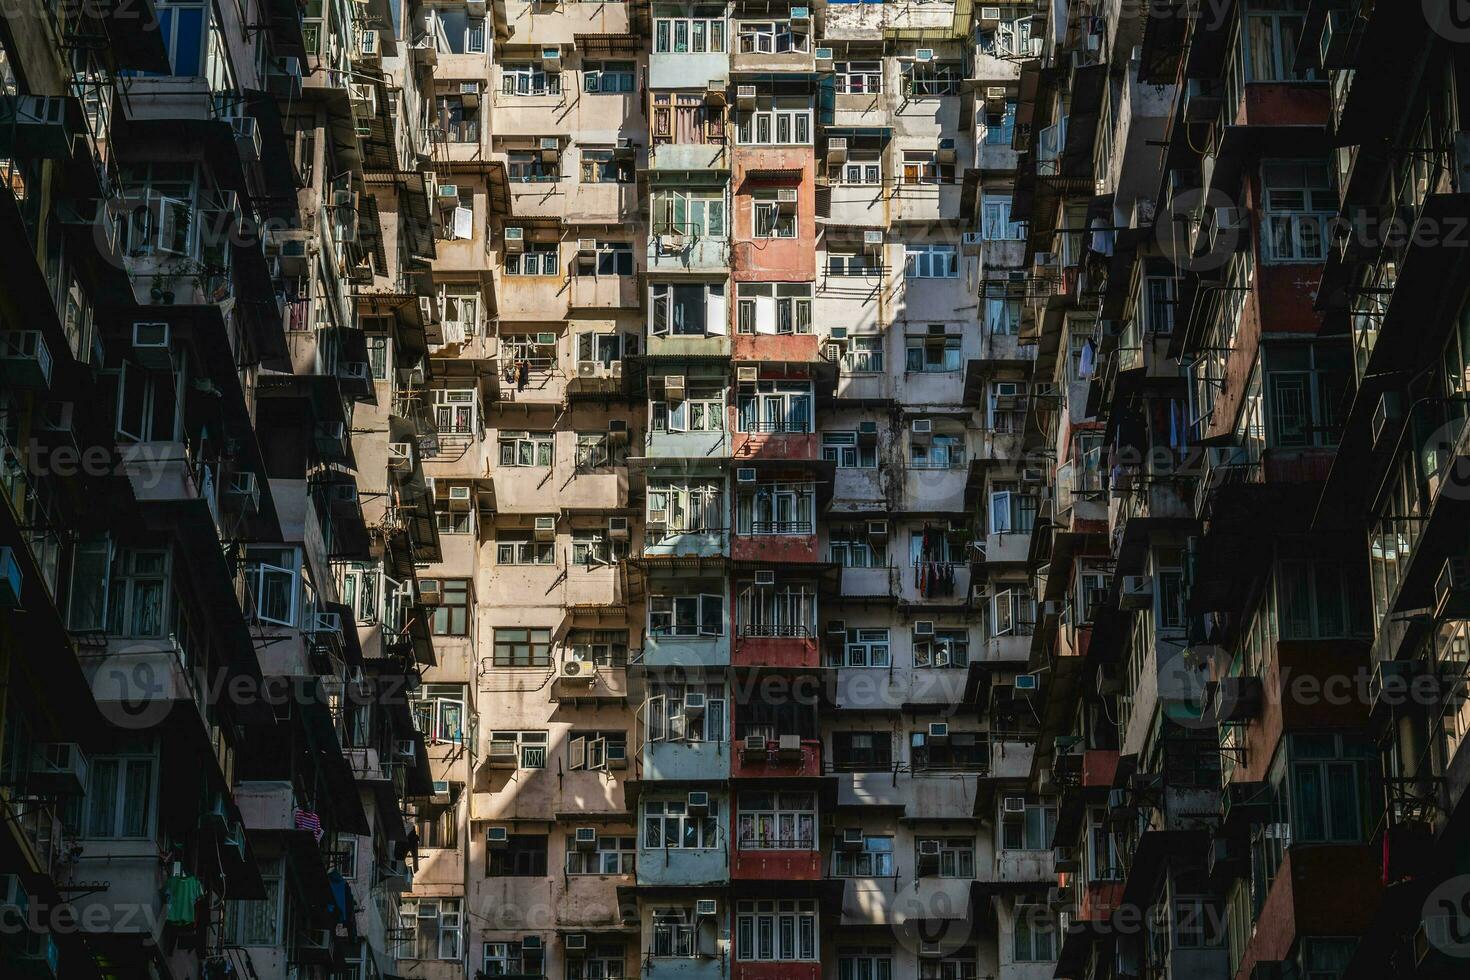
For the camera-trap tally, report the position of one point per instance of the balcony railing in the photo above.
(779, 527)
(762, 843)
(783, 630)
(781, 426)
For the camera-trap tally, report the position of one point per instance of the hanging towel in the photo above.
(306, 820)
(1088, 360)
(183, 894)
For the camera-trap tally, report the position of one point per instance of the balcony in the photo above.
(937, 488)
(159, 472)
(777, 971)
(773, 761)
(538, 24)
(668, 70)
(540, 199)
(539, 299)
(853, 22)
(1022, 867)
(856, 205)
(939, 583)
(702, 445)
(798, 861)
(925, 202)
(685, 761)
(747, 54)
(687, 253)
(684, 158)
(1007, 546)
(605, 293)
(601, 683)
(792, 647)
(667, 650)
(776, 542)
(602, 203)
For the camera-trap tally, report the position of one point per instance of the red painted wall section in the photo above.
(776, 548)
(775, 651)
(785, 348)
(774, 259)
(769, 766)
(1309, 685)
(1099, 767)
(1099, 900)
(1320, 890)
(777, 865)
(1283, 104)
(773, 445)
(777, 971)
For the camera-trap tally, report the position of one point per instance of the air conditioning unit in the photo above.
(1137, 592)
(788, 746)
(694, 702)
(923, 55)
(745, 96)
(1390, 409)
(946, 151)
(586, 838)
(872, 240)
(765, 577)
(658, 517)
(1033, 474)
(578, 671)
(939, 731)
(800, 15)
(575, 942)
(441, 791)
(550, 148)
(928, 949)
(996, 95)
(497, 838)
(429, 594)
(852, 839)
(459, 498)
(551, 57)
(745, 474)
(698, 802)
(924, 627)
(867, 432)
(928, 848)
(405, 750)
(1027, 683)
(546, 338)
(586, 246)
(514, 237)
(754, 745)
(747, 375)
(617, 528)
(706, 907)
(1013, 804)
(1452, 589)
(837, 627)
(786, 197)
(824, 59)
(545, 528)
(400, 456)
(617, 430)
(674, 385)
(151, 345)
(989, 18)
(921, 427)
(972, 241)
(531, 942)
(877, 529)
(247, 137)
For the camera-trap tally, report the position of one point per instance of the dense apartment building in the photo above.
(1245, 294)
(213, 640)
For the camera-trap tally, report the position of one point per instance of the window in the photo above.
(784, 121)
(924, 167)
(597, 751)
(947, 649)
(602, 648)
(1156, 306)
(945, 857)
(523, 856)
(686, 615)
(378, 346)
(529, 78)
(776, 930)
(515, 960)
(455, 32)
(687, 309)
(774, 308)
(685, 118)
(1299, 202)
(777, 822)
(931, 262)
(771, 217)
(138, 592)
(702, 33)
(702, 411)
(148, 403)
(842, 448)
(522, 647)
(858, 77)
(863, 168)
(669, 824)
(1030, 830)
(605, 166)
(864, 355)
(1270, 42)
(862, 751)
(1329, 788)
(611, 856)
(776, 406)
(461, 308)
(944, 451)
(789, 609)
(850, 547)
(874, 860)
(864, 963)
(1002, 316)
(933, 78)
(528, 749)
(962, 751)
(257, 922)
(457, 122)
(1012, 612)
(852, 264)
(539, 259)
(861, 647)
(438, 712)
(608, 77)
(455, 411)
(453, 522)
(1034, 935)
(777, 508)
(932, 354)
(521, 548)
(526, 167)
(183, 28)
(1010, 510)
(996, 223)
(667, 719)
(771, 37)
(121, 790)
(673, 933)
(437, 823)
(957, 966)
(435, 926)
(1010, 37)
(682, 508)
(526, 448)
(1000, 127)
(452, 616)
(610, 259)
(591, 547)
(1304, 392)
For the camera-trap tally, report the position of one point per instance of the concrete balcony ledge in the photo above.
(777, 971)
(1019, 867)
(781, 446)
(773, 764)
(685, 762)
(602, 204)
(686, 651)
(1008, 649)
(763, 61)
(266, 804)
(689, 544)
(867, 582)
(539, 199)
(687, 70)
(756, 650)
(134, 903)
(531, 23)
(782, 548)
(605, 682)
(783, 348)
(776, 865)
(679, 157)
(1007, 546)
(682, 866)
(684, 253)
(159, 471)
(712, 446)
(693, 346)
(925, 202)
(605, 293)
